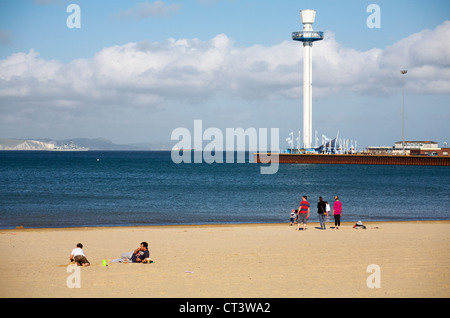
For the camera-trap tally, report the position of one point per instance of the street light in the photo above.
(403, 143)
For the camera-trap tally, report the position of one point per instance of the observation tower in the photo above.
(307, 36)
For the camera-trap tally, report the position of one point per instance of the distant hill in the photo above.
(20, 144)
(92, 144)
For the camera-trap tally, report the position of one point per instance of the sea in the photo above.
(50, 189)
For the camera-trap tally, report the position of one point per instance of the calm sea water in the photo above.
(66, 189)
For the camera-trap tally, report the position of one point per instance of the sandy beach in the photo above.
(234, 261)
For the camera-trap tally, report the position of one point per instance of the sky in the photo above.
(134, 71)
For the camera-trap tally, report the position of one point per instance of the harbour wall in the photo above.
(357, 159)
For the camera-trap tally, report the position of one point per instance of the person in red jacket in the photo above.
(303, 213)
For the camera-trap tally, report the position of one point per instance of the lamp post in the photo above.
(403, 142)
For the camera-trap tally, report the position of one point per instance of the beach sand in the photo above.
(232, 261)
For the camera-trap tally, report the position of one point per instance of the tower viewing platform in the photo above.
(307, 36)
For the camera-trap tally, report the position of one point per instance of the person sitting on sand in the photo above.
(78, 256)
(139, 255)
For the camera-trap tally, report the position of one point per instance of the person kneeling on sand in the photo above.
(78, 256)
(139, 255)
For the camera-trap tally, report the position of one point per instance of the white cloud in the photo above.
(192, 69)
(147, 75)
(426, 56)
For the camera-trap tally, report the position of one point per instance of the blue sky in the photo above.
(42, 24)
(136, 70)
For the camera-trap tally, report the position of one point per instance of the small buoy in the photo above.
(98, 159)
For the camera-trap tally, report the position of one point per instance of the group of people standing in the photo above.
(323, 209)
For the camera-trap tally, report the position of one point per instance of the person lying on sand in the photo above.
(139, 255)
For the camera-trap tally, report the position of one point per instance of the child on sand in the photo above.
(78, 256)
(327, 208)
(293, 216)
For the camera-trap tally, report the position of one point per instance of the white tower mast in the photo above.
(307, 36)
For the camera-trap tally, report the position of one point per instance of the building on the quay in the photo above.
(414, 147)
